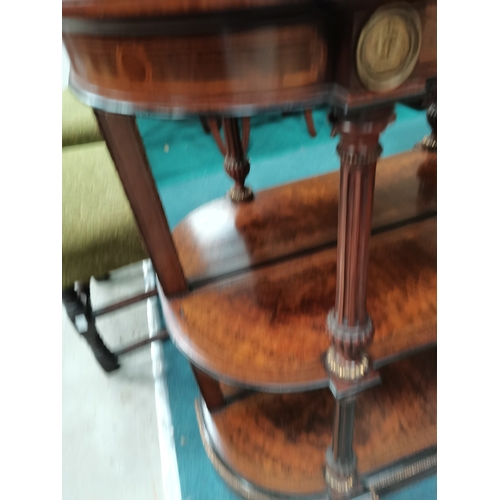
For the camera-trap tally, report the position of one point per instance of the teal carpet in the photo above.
(187, 167)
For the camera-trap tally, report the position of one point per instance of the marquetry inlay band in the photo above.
(388, 47)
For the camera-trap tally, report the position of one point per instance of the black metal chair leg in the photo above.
(79, 310)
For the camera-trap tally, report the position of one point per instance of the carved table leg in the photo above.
(236, 163)
(348, 323)
(234, 150)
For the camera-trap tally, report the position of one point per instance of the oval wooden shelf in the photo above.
(222, 237)
(277, 443)
(266, 329)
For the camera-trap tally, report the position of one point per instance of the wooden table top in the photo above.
(240, 57)
(132, 8)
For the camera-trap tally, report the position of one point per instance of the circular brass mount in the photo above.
(388, 47)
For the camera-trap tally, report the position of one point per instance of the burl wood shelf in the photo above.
(264, 328)
(277, 443)
(262, 281)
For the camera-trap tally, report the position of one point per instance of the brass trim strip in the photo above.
(378, 481)
(238, 484)
(402, 473)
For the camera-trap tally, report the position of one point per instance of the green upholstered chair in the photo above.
(99, 234)
(79, 125)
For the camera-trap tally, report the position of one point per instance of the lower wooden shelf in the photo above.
(265, 329)
(273, 445)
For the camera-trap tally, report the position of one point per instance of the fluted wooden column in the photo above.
(348, 323)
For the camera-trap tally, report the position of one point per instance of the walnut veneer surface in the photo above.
(266, 328)
(278, 442)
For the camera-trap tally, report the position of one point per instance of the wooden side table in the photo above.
(309, 313)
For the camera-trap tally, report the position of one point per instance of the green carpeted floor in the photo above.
(187, 167)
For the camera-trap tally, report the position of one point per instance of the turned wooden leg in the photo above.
(309, 120)
(348, 323)
(234, 151)
(236, 163)
(79, 310)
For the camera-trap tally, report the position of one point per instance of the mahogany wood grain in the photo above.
(222, 237)
(129, 157)
(398, 418)
(133, 8)
(359, 150)
(278, 442)
(266, 329)
(201, 73)
(142, 56)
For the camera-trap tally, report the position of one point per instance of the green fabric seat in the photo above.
(79, 125)
(99, 232)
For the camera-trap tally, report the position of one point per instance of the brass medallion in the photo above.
(388, 47)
